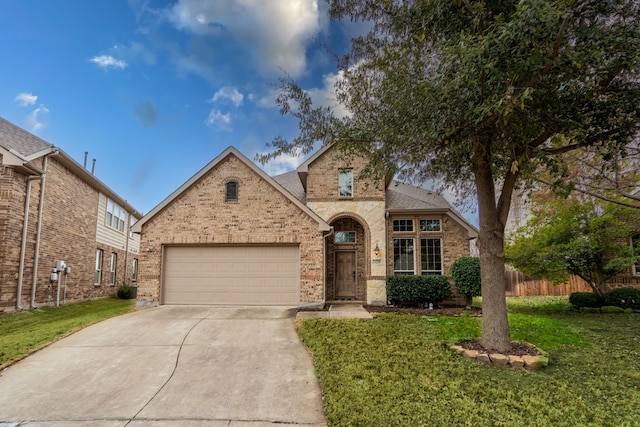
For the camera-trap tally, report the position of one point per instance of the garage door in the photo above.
(246, 275)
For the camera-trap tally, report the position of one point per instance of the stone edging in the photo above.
(506, 360)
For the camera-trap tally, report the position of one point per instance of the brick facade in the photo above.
(454, 244)
(322, 181)
(201, 216)
(197, 214)
(68, 233)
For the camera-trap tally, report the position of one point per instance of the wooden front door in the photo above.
(346, 275)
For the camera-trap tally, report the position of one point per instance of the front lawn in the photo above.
(397, 370)
(25, 332)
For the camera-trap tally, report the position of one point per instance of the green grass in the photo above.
(25, 332)
(397, 370)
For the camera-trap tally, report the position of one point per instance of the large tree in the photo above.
(481, 95)
(587, 238)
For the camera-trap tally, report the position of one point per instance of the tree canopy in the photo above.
(481, 95)
(587, 238)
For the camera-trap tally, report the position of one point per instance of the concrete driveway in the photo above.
(169, 366)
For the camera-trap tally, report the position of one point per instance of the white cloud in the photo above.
(282, 164)
(275, 32)
(324, 96)
(228, 93)
(33, 120)
(108, 61)
(218, 119)
(25, 99)
(132, 51)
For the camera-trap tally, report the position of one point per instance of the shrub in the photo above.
(406, 290)
(466, 274)
(623, 297)
(585, 299)
(125, 291)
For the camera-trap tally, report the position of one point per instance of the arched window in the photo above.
(231, 191)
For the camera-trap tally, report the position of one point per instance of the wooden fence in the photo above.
(519, 285)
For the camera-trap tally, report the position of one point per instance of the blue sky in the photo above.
(156, 89)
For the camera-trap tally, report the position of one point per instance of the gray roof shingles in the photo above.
(402, 196)
(290, 181)
(21, 141)
(399, 196)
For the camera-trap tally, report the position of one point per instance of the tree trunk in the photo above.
(495, 322)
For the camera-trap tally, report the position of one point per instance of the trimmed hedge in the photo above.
(624, 297)
(466, 275)
(585, 299)
(413, 290)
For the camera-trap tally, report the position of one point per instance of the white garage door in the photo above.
(244, 275)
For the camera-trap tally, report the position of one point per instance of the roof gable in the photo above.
(403, 198)
(322, 225)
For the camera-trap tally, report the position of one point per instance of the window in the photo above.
(98, 273)
(431, 256)
(403, 256)
(134, 270)
(115, 216)
(345, 237)
(231, 191)
(345, 183)
(112, 268)
(132, 220)
(429, 225)
(635, 242)
(402, 225)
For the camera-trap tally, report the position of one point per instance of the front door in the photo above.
(345, 274)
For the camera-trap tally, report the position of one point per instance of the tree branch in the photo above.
(598, 196)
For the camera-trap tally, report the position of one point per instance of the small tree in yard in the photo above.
(466, 274)
(482, 96)
(588, 239)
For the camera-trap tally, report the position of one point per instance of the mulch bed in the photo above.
(517, 348)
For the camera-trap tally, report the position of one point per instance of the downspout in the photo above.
(23, 242)
(126, 248)
(36, 256)
(324, 265)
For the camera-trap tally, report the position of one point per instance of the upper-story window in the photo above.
(345, 182)
(116, 215)
(430, 225)
(402, 225)
(231, 191)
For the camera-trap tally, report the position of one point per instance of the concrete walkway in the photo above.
(169, 366)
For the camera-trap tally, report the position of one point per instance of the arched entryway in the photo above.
(347, 261)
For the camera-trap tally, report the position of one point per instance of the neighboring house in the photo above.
(233, 235)
(52, 209)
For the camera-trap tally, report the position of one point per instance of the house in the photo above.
(56, 215)
(232, 234)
